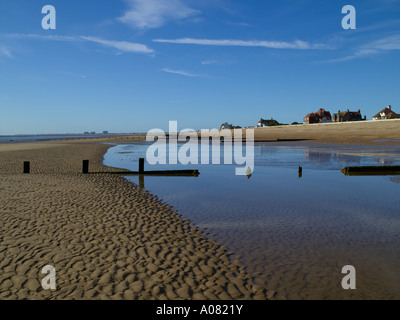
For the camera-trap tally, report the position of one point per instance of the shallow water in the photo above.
(294, 233)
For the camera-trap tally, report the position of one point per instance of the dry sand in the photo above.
(106, 238)
(346, 132)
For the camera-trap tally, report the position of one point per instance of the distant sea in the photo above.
(49, 137)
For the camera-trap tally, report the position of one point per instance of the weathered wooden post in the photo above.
(27, 166)
(300, 172)
(141, 165)
(85, 166)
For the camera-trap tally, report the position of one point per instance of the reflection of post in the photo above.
(141, 181)
(300, 172)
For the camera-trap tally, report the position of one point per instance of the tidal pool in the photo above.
(294, 232)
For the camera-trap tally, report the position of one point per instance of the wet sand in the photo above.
(106, 238)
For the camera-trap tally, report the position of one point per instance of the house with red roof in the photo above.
(385, 114)
(321, 116)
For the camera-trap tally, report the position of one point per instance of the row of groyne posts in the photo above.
(195, 173)
(141, 172)
(85, 170)
(348, 171)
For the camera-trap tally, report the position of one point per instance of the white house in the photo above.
(386, 113)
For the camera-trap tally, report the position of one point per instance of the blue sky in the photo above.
(133, 65)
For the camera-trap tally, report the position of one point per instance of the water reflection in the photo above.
(347, 159)
(296, 220)
(384, 161)
(330, 157)
(316, 156)
(395, 179)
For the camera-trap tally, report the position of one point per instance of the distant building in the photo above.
(386, 113)
(267, 123)
(344, 116)
(321, 116)
(226, 125)
(105, 132)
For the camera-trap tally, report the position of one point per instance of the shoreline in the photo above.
(379, 132)
(106, 238)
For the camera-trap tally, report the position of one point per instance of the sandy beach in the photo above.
(341, 132)
(109, 239)
(106, 238)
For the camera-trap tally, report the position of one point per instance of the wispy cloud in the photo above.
(379, 46)
(180, 72)
(4, 51)
(40, 37)
(72, 74)
(298, 44)
(123, 46)
(148, 14)
(207, 62)
(390, 23)
(388, 43)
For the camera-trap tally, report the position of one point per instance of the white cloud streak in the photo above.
(207, 62)
(389, 43)
(120, 45)
(298, 44)
(123, 46)
(40, 37)
(148, 14)
(180, 72)
(5, 52)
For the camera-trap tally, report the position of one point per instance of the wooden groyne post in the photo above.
(27, 167)
(371, 170)
(141, 172)
(85, 166)
(141, 165)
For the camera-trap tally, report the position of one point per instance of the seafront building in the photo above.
(321, 116)
(324, 116)
(344, 116)
(385, 114)
(227, 126)
(267, 123)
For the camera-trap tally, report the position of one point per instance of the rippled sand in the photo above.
(106, 238)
